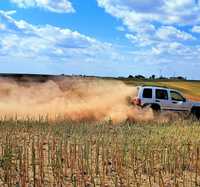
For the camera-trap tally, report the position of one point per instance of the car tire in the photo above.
(195, 113)
(154, 107)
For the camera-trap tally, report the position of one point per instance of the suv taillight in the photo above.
(137, 101)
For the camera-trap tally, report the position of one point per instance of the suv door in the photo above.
(178, 102)
(162, 98)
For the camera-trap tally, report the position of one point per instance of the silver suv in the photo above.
(162, 99)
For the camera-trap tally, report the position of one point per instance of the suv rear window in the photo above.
(147, 93)
(161, 94)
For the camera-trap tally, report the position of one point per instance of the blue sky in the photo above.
(100, 37)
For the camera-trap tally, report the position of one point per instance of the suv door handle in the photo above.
(174, 102)
(157, 101)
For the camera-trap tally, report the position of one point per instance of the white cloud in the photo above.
(163, 11)
(196, 29)
(154, 46)
(140, 39)
(158, 24)
(172, 33)
(23, 40)
(2, 27)
(10, 12)
(59, 6)
(172, 48)
(153, 21)
(162, 34)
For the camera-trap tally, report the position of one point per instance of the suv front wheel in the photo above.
(195, 112)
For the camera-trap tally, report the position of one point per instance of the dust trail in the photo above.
(75, 99)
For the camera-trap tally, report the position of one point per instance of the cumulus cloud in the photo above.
(140, 39)
(153, 20)
(163, 11)
(170, 48)
(160, 30)
(196, 29)
(24, 40)
(59, 6)
(162, 34)
(2, 27)
(156, 29)
(172, 33)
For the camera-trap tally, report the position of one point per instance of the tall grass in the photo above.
(63, 153)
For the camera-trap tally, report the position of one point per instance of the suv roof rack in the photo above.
(154, 86)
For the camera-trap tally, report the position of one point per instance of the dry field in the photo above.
(63, 153)
(91, 149)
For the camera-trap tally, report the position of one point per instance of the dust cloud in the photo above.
(76, 99)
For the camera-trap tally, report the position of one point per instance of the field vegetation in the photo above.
(41, 152)
(63, 153)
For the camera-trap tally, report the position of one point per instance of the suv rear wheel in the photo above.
(154, 107)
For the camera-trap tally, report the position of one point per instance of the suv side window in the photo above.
(175, 96)
(161, 94)
(147, 93)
